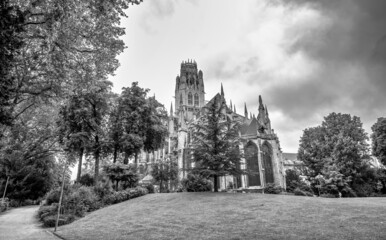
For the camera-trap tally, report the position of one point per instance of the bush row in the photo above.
(120, 196)
(78, 200)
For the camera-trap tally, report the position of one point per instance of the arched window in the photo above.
(190, 99)
(181, 100)
(267, 163)
(252, 159)
(196, 99)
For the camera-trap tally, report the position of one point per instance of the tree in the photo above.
(118, 172)
(339, 141)
(50, 51)
(27, 153)
(136, 123)
(164, 171)
(11, 25)
(73, 129)
(378, 138)
(216, 143)
(312, 151)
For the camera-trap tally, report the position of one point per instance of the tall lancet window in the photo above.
(196, 99)
(181, 100)
(190, 99)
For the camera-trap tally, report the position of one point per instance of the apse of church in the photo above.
(260, 144)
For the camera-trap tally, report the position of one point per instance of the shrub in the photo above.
(363, 190)
(80, 200)
(87, 180)
(149, 187)
(196, 183)
(271, 188)
(120, 196)
(47, 210)
(327, 195)
(348, 192)
(52, 196)
(103, 189)
(300, 192)
(180, 188)
(292, 179)
(14, 203)
(4, 204)
(49, 221)
(77, 199)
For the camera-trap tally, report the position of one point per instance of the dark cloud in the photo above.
(352, 56)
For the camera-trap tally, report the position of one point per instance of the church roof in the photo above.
(249, 127)
(218, 98)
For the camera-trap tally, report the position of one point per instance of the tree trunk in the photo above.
(96, 154)
(126, 159)
(215, 183)
(161, 188)
(115, 154)
(80, 165)
(136, 159)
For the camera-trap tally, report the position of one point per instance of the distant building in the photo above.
(291, 161)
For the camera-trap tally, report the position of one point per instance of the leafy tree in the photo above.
(216, 143)
(340, 141)
(164, 171)
(81, 125)
(11, 25)
(136, 123)
(74, 132)
(118, 172)
(312, 149)
(27, 151)
(378, 138)
(156, 125)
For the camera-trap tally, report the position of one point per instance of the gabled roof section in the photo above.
(217, 98)
(250, 127)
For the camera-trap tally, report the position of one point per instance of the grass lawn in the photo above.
(233, 216)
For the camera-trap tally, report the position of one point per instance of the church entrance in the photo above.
(251, 153)
(267, 163)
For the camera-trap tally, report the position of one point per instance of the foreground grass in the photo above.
(234, 216)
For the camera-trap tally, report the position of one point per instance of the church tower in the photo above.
(189, 91)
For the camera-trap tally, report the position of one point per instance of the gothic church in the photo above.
(264, 156)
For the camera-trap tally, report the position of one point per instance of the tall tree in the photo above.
(11, 25)
(378, 138)
(216, 143)
(74, 130)
(49, 48)
(136, 123)
(340, 141)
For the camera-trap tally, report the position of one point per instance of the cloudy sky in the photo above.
(306, 58)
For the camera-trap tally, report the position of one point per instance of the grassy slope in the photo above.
(234, 216)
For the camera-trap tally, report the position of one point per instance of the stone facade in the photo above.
(260, 144)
